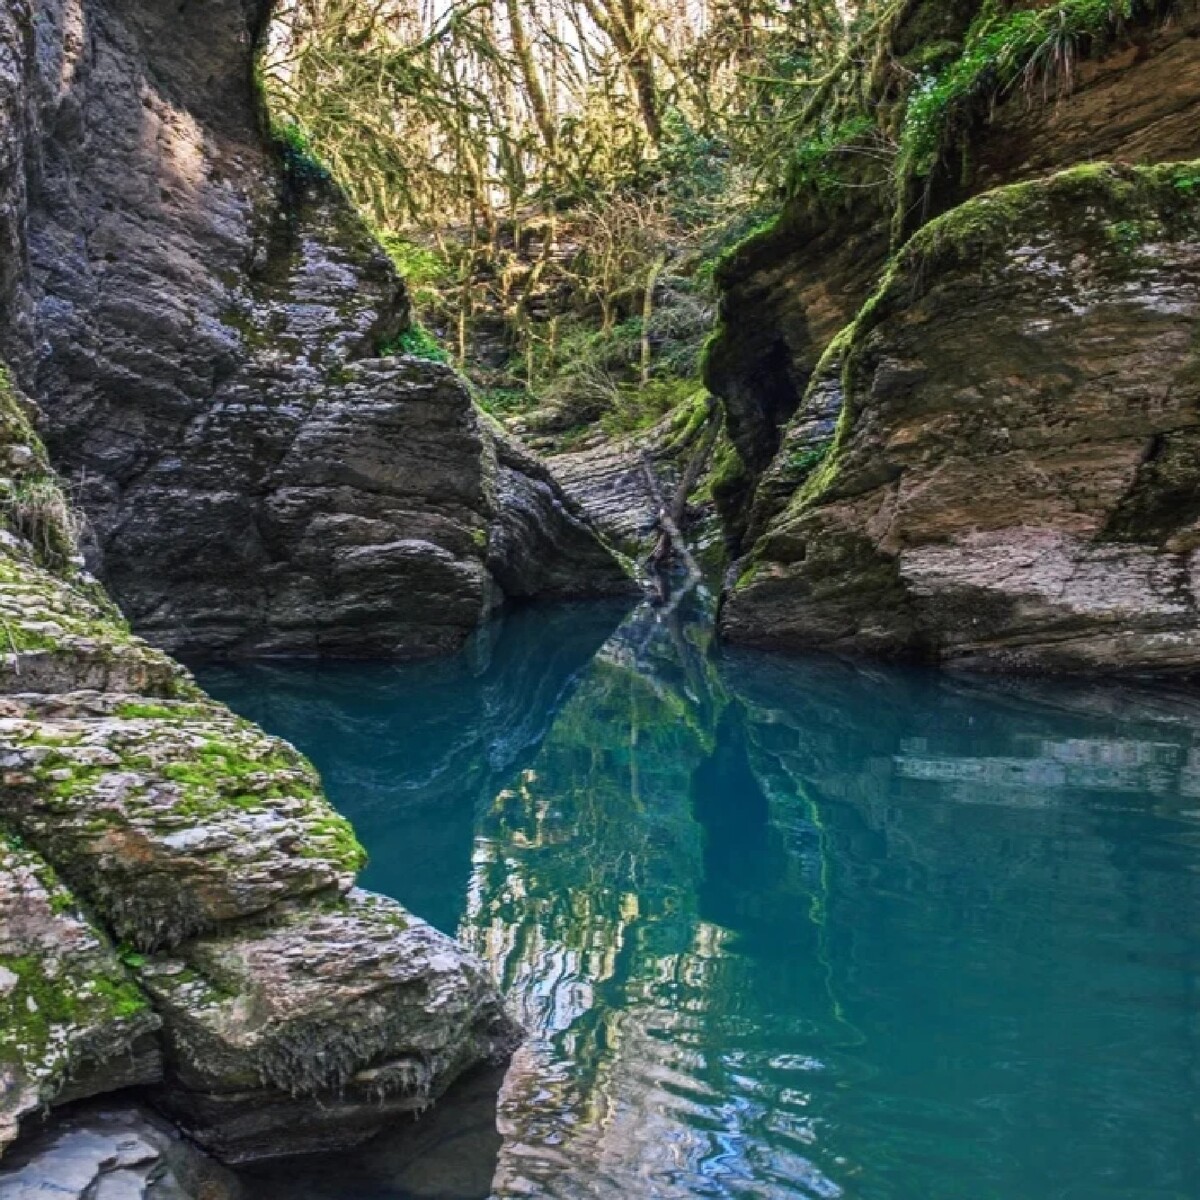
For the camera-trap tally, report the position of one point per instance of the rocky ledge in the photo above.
(177, 900)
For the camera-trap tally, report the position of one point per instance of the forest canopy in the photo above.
(558, 179)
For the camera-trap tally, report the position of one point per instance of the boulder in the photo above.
(72, 1021)
(214, 337)
(1012, 479)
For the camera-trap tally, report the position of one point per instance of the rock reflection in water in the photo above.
(792, 928)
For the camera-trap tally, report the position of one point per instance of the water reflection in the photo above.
(789, 929)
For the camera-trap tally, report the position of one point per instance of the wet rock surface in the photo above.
(122, 1153)
(176, 899)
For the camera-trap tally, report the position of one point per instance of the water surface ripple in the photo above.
(778, 928)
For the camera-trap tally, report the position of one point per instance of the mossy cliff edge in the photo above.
(177, 901)
(963, 398)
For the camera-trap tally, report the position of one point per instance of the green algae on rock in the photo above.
(72, 1021)
(171, 825)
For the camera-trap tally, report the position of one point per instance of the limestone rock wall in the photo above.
(892, 422)
(1012, 481)
(787, 292)
(201, 318)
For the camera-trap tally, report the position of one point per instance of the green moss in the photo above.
(1035, 46)
(301, 164)
(503, 401)
(254, 336)
(33, 504)
(1115, 210)
(803, 460)
(728, 262)
(417, 342)
(132, 710)
(57, 1010)
(729, 472)
(640, 405)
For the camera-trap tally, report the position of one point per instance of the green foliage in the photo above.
(1186, 180)
(130, 957)
(503, 401)
(823, 163)
(417, 342)
(37, 509)
(1035, 46)
(301, 162)
(638, 406)
(426, 272)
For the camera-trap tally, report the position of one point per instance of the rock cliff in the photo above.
(974, 448)
(209, 328)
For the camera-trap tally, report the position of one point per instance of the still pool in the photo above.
(778, 928)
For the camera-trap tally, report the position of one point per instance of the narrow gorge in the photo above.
(499, 543)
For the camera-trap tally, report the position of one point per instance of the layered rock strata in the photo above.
(210, 331)
(1012, 479)
(177, 906)
(972, 451)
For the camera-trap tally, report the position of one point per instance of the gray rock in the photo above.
(357, 1004)
(173, 818)
(113, 1154)
(72, 1021)
(1013, 480)
(201, 322)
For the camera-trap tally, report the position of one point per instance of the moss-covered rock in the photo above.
(1018, 425)
(170, 819)
(957, 99)
(72, 1021)
(356, 999)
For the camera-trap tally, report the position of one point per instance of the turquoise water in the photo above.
(779, 928)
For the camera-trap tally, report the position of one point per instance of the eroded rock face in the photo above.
(1013, 481)
(788, 292)
(72, 1021)
(359, 1000)
(201, 320)
(295, 1012)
